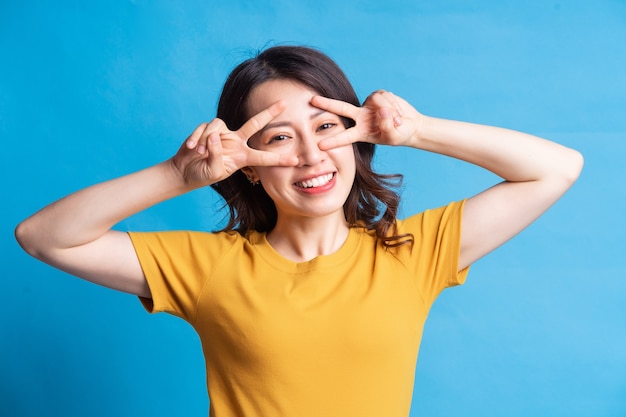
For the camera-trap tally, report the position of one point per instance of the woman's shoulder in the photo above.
(187, 237)
(432, 216)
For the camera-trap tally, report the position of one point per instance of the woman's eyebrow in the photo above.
(284, 123)
(318, 113)
(273, 125)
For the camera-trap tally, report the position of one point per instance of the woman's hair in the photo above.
(372, 202)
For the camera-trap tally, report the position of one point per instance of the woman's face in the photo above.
(320, 183)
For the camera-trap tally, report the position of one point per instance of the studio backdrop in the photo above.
(91, 90)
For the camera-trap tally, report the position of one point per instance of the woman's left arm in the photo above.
(536, 172)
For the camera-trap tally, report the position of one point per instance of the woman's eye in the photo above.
(278, 138)
(325, 126)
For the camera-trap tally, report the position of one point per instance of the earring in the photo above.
(252, 180)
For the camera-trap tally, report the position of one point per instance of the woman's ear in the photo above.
(251, 175)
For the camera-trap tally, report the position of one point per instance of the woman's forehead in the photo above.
(269, 92)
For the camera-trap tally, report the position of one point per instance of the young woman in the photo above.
(312, 300)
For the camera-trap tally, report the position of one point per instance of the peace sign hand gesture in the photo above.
(213, 152)
(383, 119)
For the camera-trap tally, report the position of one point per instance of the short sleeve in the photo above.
(177, 265)
(434, 256)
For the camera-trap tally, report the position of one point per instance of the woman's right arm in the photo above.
(74, 234)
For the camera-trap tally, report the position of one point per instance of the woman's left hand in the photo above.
(383, 119)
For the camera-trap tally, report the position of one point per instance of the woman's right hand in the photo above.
(213, 152)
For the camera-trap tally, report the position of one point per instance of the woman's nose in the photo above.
(309, 152)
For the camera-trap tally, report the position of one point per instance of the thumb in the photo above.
(214, 146)
(264, 158)
(386, 123)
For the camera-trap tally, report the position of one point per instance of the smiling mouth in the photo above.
(316, 182)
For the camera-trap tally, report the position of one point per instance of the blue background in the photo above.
(93, 90)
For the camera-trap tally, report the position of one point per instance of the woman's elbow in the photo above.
(573, 166)
(27, 238)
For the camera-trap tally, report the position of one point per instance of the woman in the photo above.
(312, 299)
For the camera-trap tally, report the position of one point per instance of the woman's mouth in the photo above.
(316, 182)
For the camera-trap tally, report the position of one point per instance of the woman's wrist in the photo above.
(420, 131)
(175, 178)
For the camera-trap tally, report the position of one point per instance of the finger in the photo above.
(344, 138)
(216, 125)
(383, 97)
(386, 122)
(388, 107)
(393, 101)
(192, 140)
(337, 107)
(205, 137)
(374, 94)
(263, 158)
(260, 120)
(214, 146)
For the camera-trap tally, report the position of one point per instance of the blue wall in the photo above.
(93, 90)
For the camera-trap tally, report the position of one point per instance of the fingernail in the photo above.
(397, 121)
(201, 149)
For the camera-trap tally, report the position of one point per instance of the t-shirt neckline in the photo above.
(261, 245)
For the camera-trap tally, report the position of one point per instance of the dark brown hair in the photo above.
(372, 202)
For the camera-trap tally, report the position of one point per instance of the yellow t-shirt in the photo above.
(334, 336)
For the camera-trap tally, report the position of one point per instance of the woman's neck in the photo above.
(303, 239)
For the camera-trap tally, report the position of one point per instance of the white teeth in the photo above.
(315, 182)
